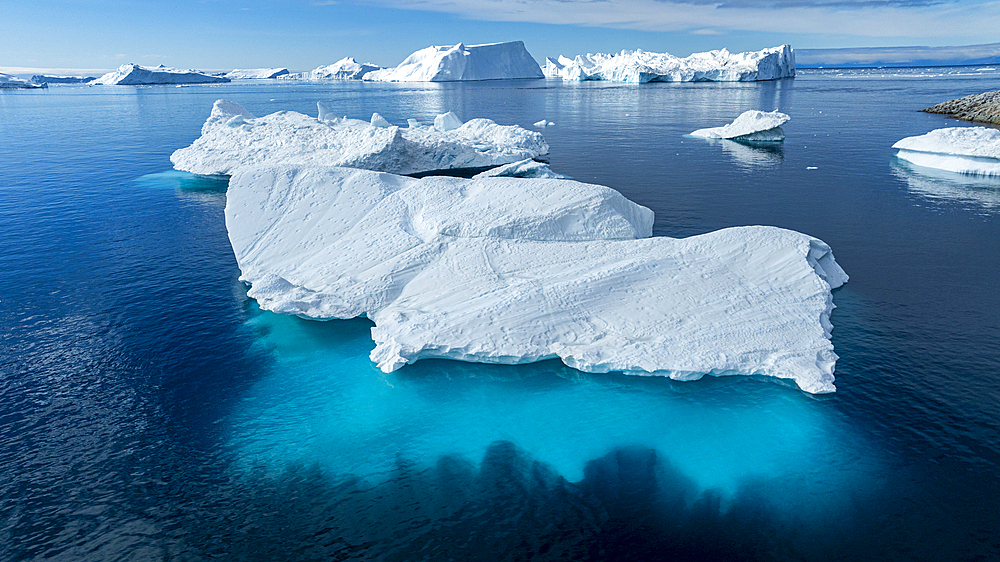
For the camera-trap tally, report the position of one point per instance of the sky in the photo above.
(304, 34)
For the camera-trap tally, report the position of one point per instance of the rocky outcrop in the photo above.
(984, 108)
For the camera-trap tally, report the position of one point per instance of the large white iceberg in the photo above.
(345, 69)
(256, 73)
(509, 270)
(494, 61)
(966, 150)
(641, 66)
(133, 75)
(232, 137)
(751, 125)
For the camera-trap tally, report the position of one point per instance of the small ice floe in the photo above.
(753, 125)
(232, 137)
(965, 150)
(543, 123)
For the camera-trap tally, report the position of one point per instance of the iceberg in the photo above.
(751, 125)
(134, 75)
(345, 69)
(232, 137)
(9, 82)
(49, 79)
(256, 73)
(510, 270)
(524, 169)
(984, 108)
(965, 150)
(494, 61)
(642, 66)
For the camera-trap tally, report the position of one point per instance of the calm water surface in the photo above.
(150, 410)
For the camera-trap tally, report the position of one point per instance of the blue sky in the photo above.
(301, 35)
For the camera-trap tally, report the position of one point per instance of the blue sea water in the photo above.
(150, 410)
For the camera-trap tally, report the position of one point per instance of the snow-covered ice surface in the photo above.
(510, 270)
(751, 125)
(345, 69)
(133, 74)
(12, 82)
(256, 73)
(232, 137)
(642, 66)
(494, 61)
(523, 169)
(965, 150)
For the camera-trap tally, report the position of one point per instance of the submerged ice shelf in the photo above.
(751, 125)
(233, 137)
(642, 66)
(509, 270)
(965, 150)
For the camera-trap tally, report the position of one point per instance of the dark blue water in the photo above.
(149, 409)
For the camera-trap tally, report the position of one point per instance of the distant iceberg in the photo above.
(134, 75)
(965, 150)
(751, 125)
(8, 82)
(641, 66)
(232, 137)
(49, 79)
(345, 69)
(494, 61)
(509, 270)
(256, 73)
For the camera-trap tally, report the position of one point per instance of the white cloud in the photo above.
(937, 20)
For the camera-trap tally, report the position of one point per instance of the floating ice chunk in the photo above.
(544, 123)
(447, 122)
(641, 66)
(751, 125)
(345, 69)
(379, 121)
(256, 73)
(133, 74)
(494, 61)
(325, 113)
(287, 137)
(508, 270)
(523, 169)
(966, 150)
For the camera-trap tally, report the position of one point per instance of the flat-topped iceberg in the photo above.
(965, 150)
(232, 137)
(256, 73)
(494, 61)
(345, 69)
(751, 125)
(134, 75)
(12, 83)
(509, 270)
(642, 66)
